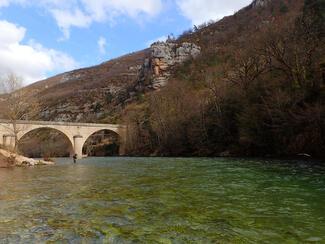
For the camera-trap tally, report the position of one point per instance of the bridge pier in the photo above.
(9, 141)
(77, 145)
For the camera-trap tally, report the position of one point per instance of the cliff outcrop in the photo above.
(260, 3)
(164, 57)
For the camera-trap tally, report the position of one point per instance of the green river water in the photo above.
(164, 200)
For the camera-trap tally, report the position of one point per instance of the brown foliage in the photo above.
(260, 94)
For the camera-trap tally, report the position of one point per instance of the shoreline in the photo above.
(10, 160)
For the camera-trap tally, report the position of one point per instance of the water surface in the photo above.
(164, 200)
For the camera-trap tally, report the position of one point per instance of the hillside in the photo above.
(249, 84)
(257, 89)
(101, 92)
(72, 95)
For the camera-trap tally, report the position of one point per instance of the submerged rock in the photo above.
(225, 154)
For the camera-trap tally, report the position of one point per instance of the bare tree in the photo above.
(247, 69)
(18, 104)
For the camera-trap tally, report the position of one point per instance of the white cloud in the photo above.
(4, 3)
(106, 11)
(102, 45)
(66, 19)
(10, 33)
(199, 11)
(31, 61)
(101, 10)
(82, 13)
(159, 39)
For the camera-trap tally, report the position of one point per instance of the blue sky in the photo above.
(40, 38)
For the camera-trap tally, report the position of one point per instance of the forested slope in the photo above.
(256, 90)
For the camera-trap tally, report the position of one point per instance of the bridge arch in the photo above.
(31, 128)
(106, 134)
(80, 139)
(21, 137)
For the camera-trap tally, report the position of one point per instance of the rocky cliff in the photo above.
(260, 3)
(165, 56)
(99, 93)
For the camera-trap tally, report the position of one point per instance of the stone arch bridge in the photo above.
(77, 133)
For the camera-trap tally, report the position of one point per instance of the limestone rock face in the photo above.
(260, 3)
(165, 55)
(69, 76)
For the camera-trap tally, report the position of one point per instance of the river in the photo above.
(164, 200)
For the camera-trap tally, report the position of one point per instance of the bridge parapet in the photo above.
(59, 123)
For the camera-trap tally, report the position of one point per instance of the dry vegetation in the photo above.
(257, 90)
(17, 105)
(102, 88)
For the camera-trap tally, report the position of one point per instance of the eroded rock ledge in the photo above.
(19, 161)
(165, 55)
(260, 3)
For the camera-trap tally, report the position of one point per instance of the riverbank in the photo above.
(4, 162)
(9, 159)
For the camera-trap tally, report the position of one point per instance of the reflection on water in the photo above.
(137, 200)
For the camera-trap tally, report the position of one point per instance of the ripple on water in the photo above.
(164, 200)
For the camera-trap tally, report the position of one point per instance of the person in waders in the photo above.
(75, 158)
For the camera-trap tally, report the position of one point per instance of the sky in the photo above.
(41, 38)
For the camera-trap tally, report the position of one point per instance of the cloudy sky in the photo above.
(40, 38)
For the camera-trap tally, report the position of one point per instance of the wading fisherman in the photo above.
(75, 158)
